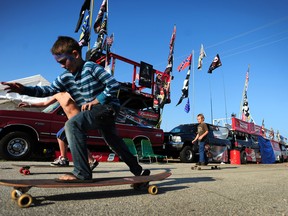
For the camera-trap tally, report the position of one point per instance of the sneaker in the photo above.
(93, 164)
(140, 186)
(146, 172)
(61, 161)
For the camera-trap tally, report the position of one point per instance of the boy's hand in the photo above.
(88, 106)
(13, 87)
(24, 104)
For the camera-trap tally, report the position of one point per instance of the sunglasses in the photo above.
(61, 59)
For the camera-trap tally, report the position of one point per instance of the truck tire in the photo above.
(16, 146)
(243, 157)
(187, 155)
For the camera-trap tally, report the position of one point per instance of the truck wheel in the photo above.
(187, 154)
(243, 157)
(15, 146)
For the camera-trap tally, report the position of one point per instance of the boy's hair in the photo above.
(65, 45)
(201, 115)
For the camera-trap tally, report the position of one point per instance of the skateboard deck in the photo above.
(201, 167)
(22, 186)
(25, 169)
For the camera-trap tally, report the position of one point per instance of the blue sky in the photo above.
(248, 32)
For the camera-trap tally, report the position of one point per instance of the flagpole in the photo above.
(90, 20)
(106, 59)
(243, 93)
(225, 98)
(211, 106)
(193, 90)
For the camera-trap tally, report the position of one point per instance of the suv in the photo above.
(178, 143)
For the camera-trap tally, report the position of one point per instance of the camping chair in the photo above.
(147, 151)
(131, 146)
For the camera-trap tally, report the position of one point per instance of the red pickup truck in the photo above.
(21, 132)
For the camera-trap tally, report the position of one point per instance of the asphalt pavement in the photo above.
(252, 189)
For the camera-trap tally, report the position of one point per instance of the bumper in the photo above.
(175, 146)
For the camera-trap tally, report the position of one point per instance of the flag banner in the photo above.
(162, 84)
(110, 40)
(145, 75)
(201, 56)
(169, 66)
(263, 131)
(215, 64)
(99, 18)
(185, 63)
(85, 6)
(185, 88)
(107, 44)
(245, 107)
(187, 106)
(85, 35)
(101, 32)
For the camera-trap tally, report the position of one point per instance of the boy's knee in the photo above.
(69, 124)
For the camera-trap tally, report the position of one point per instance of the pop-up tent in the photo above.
(10, 101)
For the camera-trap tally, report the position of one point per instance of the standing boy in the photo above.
(95, 91)
(202, 131)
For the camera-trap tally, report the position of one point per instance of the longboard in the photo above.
(25, 169)
(200, 167)
(22, 186)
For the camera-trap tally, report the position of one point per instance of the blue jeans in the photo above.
(101, 117)
(202, 155)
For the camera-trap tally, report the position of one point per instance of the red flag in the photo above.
(185, 63)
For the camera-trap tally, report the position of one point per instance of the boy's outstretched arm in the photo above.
(13, 87)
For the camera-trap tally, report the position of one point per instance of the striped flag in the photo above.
(185, 63)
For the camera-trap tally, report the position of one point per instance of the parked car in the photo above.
(178, 143)
(248, 146)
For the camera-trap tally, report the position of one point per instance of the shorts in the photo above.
(61, 135)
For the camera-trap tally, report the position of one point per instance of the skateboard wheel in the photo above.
(153, 189)
(21, 170)
(15, 194)
(199, 168)
(24, 201)
(26, 172)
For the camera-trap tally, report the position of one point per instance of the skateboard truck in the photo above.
(20, 194)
